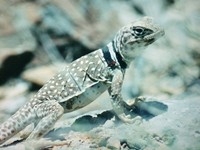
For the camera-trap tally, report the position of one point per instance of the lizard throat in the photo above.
(113, 57)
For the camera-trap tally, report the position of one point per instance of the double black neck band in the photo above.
(111, 63)
(119, 57)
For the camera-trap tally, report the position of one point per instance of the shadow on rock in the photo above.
(146, 110)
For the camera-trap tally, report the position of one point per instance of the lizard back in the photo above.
(79, 83)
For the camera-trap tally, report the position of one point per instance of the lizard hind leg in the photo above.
(16, 123)
(49, 112)
(28, 130)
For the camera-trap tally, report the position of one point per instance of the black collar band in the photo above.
(111, 63)
(119, 57)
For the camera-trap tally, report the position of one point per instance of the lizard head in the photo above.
(131, 39)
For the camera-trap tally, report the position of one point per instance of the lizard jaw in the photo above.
(154, 36)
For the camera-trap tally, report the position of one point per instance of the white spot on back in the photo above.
(48, 92)
(65, 94)
(52, 87)
(33, 102)
(43, 96)
(99, 62)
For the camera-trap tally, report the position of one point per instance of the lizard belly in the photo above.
(85, 98)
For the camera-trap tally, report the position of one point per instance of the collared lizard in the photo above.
(83, 80)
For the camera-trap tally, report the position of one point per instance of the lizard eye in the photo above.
(138, 31)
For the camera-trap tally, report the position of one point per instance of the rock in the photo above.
(80, 25)
(171, 85)
(13, 64)
(11, 91)
(113, 143)
(179, 124)
(6, 25)
(69, 29)
(42, 74)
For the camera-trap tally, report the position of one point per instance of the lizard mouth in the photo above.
(153, 37)
(151, 41)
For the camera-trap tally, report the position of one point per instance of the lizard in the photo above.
(85, 79)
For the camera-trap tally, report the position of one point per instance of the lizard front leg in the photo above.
(120, 107)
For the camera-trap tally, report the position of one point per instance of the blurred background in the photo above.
(39, 37)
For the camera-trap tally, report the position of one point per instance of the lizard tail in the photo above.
(14, 124)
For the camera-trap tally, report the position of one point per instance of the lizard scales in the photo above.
(83, 81)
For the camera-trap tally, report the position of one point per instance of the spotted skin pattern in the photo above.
(82, 81)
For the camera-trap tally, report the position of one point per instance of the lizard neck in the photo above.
(113, 57)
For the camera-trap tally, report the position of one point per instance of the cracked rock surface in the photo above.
(38, 38)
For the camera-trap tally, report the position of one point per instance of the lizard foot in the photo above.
(130, 120)
(137, 100)
(125, 113)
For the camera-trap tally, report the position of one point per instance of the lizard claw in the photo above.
(137, 100)
(128, 119)
(125, 111)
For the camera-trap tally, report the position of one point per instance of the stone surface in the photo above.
(61, 31)
(41, 75)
